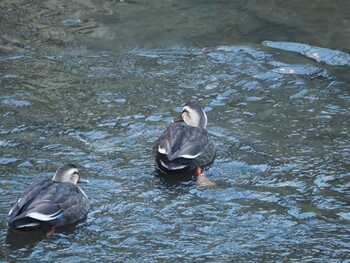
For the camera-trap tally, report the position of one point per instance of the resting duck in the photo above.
(184, 147)
(51, 202)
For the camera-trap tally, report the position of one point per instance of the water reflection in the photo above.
(28, 239)
(326, 55)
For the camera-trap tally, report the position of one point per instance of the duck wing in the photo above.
(45, 201)
(29, 195)
(183, 141)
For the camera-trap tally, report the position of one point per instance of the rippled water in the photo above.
(278, 113)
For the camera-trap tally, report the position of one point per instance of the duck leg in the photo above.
(202, 179)
(50, 232)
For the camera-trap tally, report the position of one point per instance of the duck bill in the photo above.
(83, 181)
(178, 119)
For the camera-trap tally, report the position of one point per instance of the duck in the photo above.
(185, 146)
(50, 203)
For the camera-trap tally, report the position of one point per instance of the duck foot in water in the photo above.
(50, 232)
(202, 179)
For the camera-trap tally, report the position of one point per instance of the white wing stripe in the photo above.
(28, 225)
(43, 217)
(173, 168)
(161, 150)
(19, 200)
(81, 190)
(11, 211)
(188, 156)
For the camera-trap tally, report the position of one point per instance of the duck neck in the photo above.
(199, 120)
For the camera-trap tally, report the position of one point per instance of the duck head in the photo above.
(193, 115)
(67, 173)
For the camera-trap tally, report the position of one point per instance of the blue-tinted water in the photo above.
(92, 85)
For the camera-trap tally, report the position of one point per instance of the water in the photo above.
(95, 83)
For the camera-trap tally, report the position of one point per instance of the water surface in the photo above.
(95, 83)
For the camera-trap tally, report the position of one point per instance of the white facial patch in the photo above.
(73, 170)
(192, 117)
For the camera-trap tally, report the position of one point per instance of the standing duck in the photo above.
(51, 202)
(185, 145)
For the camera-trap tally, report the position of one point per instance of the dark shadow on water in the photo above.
(172, 180)
(175, 180)
(18, 239)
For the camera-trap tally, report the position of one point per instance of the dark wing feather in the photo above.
(20, 207)
(182, 141)
(74, 202)
(50, 201)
